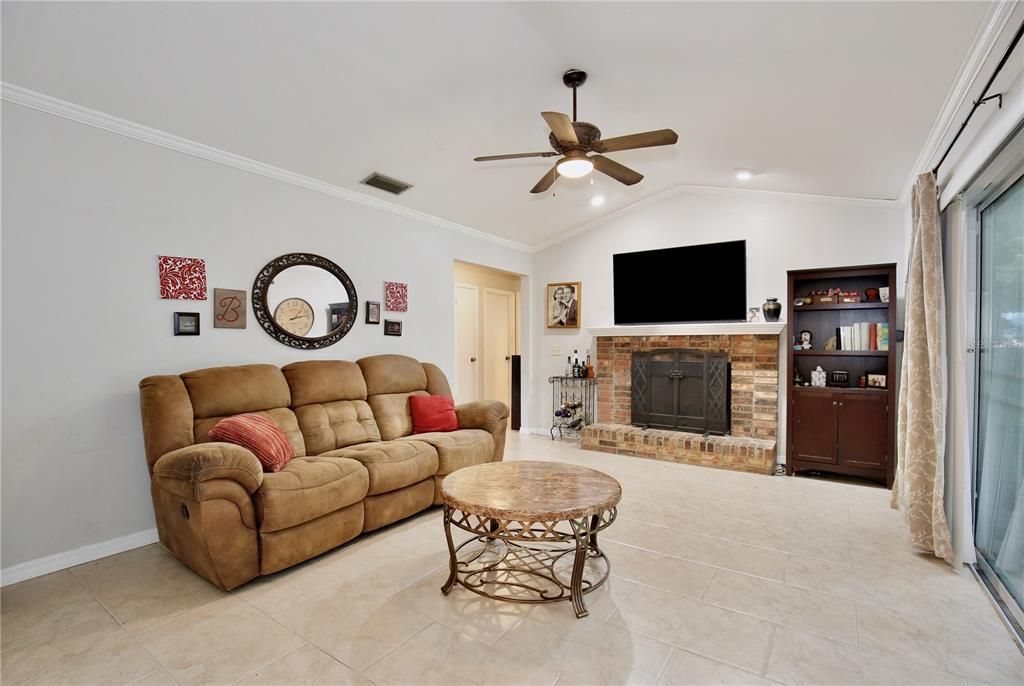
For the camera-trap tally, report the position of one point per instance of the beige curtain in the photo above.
(921, 428)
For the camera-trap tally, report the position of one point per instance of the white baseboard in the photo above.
(533, 430)
(87, 553)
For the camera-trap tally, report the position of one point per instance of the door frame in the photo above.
(1004, 170)
(477, 374)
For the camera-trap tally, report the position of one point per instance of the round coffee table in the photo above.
(535, 527)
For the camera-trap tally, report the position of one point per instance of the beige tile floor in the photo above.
(718, 577)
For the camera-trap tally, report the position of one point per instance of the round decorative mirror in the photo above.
(305, 301)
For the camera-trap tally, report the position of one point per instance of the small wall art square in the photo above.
(182, 278)
(228, 308)
(396, 296)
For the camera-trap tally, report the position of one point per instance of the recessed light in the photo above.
(597, 200)
(745, 174)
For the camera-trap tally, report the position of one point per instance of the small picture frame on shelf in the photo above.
(392, 327)
(839, 378)
(883, 294)
(372, 312)
(877, 381)
(186, 323)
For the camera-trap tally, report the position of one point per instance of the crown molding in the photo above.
(985, 40)
(26, 97)
(712, 190)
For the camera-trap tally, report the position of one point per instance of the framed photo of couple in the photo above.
(563, 305)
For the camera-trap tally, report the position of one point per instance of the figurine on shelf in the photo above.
(805, 339)
(754, 314)
(818, 377)
(797, 379)
(830, 344)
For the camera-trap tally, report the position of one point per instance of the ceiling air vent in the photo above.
(386, 183)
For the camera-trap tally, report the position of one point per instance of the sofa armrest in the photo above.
(203, 462)
(489, 415)
(482, 414)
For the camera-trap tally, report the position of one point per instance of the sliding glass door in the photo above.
(999, 485)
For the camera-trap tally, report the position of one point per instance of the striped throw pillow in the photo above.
(258, 434)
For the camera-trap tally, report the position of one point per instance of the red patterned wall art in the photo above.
(182, 278)
(396, 296)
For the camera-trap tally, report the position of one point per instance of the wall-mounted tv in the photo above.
(691, 283)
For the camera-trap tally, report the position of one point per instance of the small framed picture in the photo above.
(228, 308)
(186, 323)
(883, 294)
(563, 305)
(372, 312)
(876, 381)
(392, 327)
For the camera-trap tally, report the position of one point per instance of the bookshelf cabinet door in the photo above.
(863, 430)
(814, 420)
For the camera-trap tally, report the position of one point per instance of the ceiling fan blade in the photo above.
(546, 180)
(647, 139)
(515, 156)
(561, 126)
(619, 172)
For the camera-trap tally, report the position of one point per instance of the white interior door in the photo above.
(467, 343)
(499, 324)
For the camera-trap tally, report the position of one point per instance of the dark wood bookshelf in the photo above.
(848, 430)
(841, 306)
(841, 353)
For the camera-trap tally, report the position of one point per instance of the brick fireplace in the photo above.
(749, 445)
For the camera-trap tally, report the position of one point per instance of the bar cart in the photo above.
(573, 404)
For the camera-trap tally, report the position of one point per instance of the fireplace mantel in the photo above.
(708, 329)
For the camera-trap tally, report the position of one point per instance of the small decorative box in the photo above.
(825, 300)
(850, 298)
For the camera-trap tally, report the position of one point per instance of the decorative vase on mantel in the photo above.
(772, 310)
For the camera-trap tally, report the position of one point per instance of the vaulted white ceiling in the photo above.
(823, 98)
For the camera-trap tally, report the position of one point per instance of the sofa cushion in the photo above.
(458, 449)
(392, 374)
(324, 381)
(432, 413)
(307, 488)
(391, 410)
(329, 426)
(225, 391)
(392, 464)
(260, 435)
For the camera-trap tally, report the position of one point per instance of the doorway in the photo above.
(999, 448)
(487, 333)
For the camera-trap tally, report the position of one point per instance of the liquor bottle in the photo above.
(576, 364)
(568, 365)
(589, 368)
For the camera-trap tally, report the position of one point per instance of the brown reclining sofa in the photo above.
(358, 466)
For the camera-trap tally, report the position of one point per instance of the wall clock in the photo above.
(294, 315)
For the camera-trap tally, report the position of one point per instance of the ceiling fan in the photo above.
(573, 140)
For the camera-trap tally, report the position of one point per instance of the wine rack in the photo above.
(573, 405)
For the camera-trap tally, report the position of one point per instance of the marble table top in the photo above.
(530, 490)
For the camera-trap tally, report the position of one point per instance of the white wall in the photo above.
(782, 232)
(85, 213)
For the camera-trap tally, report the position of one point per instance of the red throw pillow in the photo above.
(432, 413)
(258, 434)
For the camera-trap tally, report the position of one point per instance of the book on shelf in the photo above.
(863, 336)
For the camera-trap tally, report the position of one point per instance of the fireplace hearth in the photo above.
(680, 390)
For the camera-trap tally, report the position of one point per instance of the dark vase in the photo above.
(772, 310)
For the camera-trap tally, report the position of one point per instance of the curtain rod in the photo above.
(983, 99)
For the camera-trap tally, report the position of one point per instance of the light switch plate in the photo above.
(556, 350)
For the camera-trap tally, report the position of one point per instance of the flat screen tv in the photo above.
(691, 283)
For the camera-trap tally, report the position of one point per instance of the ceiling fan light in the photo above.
(575, 167)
